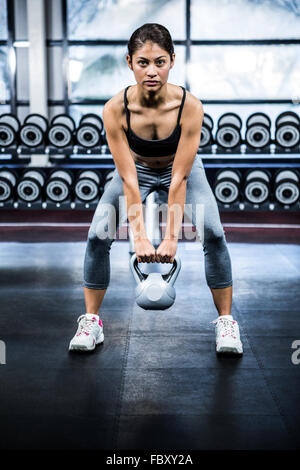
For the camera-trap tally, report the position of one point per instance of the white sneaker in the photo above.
(88, 334)
(228, 335)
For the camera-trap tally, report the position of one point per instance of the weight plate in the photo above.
(90, 174)
(59, 135)
(57, 190)
(88, 136)
(230, 119)
(37, 119)
(92, 119)
(287, 192)
(31, 135)
(86, 189)
(11, 120)
(228, 173)
(208, 121)
(7, 135)
(226, 191)
(62, 174)
(287, 116)
(64, 119)
(228, 136)
(257, 173)
(256, 191)
(34, 174)
(6, 189)
(258, 118)
(8, 175)
(28, 190)
(286, 174)
(258, 135)
(206, 137)
(287, 135)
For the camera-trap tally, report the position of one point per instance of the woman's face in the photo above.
(151, 65)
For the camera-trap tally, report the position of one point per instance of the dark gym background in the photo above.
(156, 383)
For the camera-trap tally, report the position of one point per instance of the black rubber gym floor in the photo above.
(156, 382)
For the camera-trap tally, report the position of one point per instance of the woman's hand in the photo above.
(166, 251)
(144, 250)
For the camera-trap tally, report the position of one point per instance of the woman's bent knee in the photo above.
(212, 236)
(99, 239)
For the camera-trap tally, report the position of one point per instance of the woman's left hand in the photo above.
(166, 251)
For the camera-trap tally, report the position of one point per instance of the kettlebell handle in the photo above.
(138, 275)
(170, 277)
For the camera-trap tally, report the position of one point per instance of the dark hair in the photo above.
(150, 32)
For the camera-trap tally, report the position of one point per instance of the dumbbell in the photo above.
(286, 186)
(108, 178)
(60, 132)
(287, 133)
(8, 181)
(227, 185)
(30, 185)
(9, 130)
(228, 134)
(58, 187)
(88, 134)
(257, 185)
(87, 185)
(258, 130)
(206, 131)
(32, 132)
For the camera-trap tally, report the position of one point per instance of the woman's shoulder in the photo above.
(192, 107)
(115, 105)
(191, 101)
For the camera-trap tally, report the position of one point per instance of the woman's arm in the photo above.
(124, 162)
(126, 167)
(192, 118)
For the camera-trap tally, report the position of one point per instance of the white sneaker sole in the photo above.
(82, 347)
(230, 350)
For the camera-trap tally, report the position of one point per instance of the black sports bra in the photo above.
(153, 148)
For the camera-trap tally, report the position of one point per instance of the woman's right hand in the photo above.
(144, 250)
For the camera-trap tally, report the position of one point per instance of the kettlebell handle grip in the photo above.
(139, 276)
(171, 276)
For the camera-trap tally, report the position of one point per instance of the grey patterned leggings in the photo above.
(217, 261)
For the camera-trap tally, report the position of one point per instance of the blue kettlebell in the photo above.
(155, 291)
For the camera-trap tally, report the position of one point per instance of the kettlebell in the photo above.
(155, 291)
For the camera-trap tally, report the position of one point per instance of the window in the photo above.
(117, 19)
(245, 72)
(261, 62)
(3, 21)
(245, 19)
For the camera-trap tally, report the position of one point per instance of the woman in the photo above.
(153, 130)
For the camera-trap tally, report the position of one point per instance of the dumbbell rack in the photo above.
(213, 157)
(244, 157)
